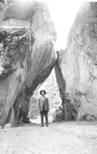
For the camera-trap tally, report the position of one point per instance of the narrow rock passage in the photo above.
(58, 138)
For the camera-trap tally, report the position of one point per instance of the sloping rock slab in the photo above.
(79, 64)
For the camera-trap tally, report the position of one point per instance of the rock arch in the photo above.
(27, 56)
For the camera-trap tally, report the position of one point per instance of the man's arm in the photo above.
(39, 104)
(48, 104)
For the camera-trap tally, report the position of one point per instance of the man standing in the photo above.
(43, 107)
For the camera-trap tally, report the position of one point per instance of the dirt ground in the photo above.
(58, 138)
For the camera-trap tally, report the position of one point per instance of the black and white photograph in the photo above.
(48, 77)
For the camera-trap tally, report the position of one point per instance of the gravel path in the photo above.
(58, 138)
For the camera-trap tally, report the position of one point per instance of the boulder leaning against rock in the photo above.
(30, 59)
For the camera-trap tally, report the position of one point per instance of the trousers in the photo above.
(42, 115)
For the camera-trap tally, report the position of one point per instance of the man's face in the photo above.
(42, 93)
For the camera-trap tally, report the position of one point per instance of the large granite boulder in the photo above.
(79, 63)
(27, 55)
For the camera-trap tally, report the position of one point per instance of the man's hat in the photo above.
(42, 90)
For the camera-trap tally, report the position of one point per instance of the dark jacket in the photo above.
(44, 103)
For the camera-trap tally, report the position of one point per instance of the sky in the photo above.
(63, 14)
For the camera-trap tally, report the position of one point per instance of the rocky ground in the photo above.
(58, 138)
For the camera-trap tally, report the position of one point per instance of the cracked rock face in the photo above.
(27, 56)
(79, 63)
